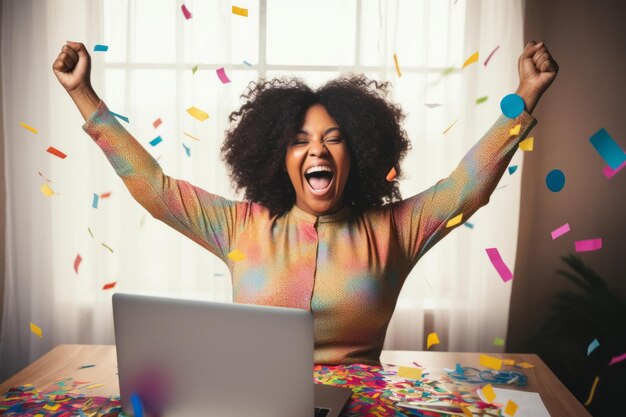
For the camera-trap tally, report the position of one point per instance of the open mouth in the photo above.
(319, 177)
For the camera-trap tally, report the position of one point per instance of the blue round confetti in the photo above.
(512, 105)
(555, 180)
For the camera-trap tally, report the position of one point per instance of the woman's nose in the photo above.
(317, 149)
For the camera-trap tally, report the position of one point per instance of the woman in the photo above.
(321, 228)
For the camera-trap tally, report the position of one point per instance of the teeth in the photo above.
(318, 169)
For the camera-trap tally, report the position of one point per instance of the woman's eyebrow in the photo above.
(331, 129)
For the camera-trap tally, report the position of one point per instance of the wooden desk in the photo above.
(64, 360)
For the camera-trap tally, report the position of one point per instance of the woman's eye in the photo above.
(299, 142)
(334, 139)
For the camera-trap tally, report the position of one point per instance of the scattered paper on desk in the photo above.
(77, 262)
(240, 11)
(510, 409)
(491, 362)
(508, 362)
(36, 329)
(198, 114)
(529, 403)
(46, 190)
(410, 373)
(497, 262)
(527, 144)
(54, 151)
(486, 394)
(524, 365)
(454, 221)
(94, 386)
(592, 346)
(221, 74)
(236, 255)
(433, 339)
(30, 128)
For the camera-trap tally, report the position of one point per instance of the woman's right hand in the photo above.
(73, 67)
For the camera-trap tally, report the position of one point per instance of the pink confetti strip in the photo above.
(610, 172)
(498, 263)
(490, 55)
(618, 359)
(222, 75)
(560, 231)
(77, 262)
(588, 245)
(186, 12)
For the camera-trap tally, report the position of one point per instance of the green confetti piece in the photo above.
(194, 69)
(498, 341)
(106, 246)
(481, 99)
(90, 232)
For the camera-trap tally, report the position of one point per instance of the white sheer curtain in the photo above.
(146, 74)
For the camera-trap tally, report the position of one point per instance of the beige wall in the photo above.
(2, 189)
(588, 40)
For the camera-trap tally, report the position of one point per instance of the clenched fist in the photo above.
(537, 70)
(73, 67)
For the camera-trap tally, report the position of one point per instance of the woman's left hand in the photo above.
(537, 70)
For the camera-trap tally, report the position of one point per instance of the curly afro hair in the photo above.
(256, 144)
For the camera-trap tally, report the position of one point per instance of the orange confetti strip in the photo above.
(157, 123)
(105, 195)
(54, 151)
(471, 59)
(77, 262)
(109, 285)
(36, 329)
(391, 175)
(240, 11)
(395, 60)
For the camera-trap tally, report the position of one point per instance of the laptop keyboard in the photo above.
(321, 412)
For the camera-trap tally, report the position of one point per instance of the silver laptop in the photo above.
(193, 358)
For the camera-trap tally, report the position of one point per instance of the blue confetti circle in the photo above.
(555, 180)
(512, 105)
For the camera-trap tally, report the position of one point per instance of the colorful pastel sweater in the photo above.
(347, 268)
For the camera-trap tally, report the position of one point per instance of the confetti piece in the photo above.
(221, 74)
(90, 232)
(156, 141)
(607, 148)
(240, 11)
(186, 12)
(187, 150)
(27, 127)
(108, 287)
(46, 190)
(51, 407)
(247, 63)
(527, 144)
(236, 255)
(137, 406)
(196, 113)
(106, 246)
(617, 359)
(41, 175)
(100, 48)
(498, 263)
(593, 391)
(77, 262)
(488, 395)
(433, 339)
(105, 195)
(468, 224)
(592, 346)
(157, 123)
(119, 116)
(498, 341)
(512, 169)
(94, 203)
(450, 127)
(432, 105)
(588, 245)
(410, 373)
(86, 366)
(512, 105)
(194, 69)
(391, 174)
(448, 71)
(515, 131)
(510, 409)
(524, 365)
(94, 386)
(455, 220)
(470, 60)
(490, 55)
(560, 231)
(508, 362)
(610, 172)
(555, 180)
(395, 60)
(491, 362)
(36, 329)
(192, 137)
(481, 100)
(54, 151)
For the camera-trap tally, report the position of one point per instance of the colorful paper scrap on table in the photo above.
(497, 262)
(186, 12)
(515, 130)
(395, 61)
(455, 220)
(592, 346)
(473, 58)
(588, 245)
(119, 116)
(94, 202)
(512, 105)
(156, 141)
(507, 362)
(187, 150)
(610, 151)
(221, 74)
(487, 394)
(77, 262)
(512, 169)
(450, 127)
(391, 174)
(555, 180)
(481, 100)
(491, 362)
(527, 144)
(54, 151)
(524, 365)
(432, 105)
(610, 172)
(46, 190)
(490, 55)
(109, 285)
(30, 128)
(192, 137)
(236, 255)
(100, 48)
(157, 123)
(410, 373)
(36, 329)
(433, 339)
(617, 359)
(240, 11)
(198, 114)
(510, 409)
(498, 341)
(560, 231)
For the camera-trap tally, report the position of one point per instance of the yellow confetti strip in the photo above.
(197, 113)
(491, 362)
(489, 394)
(46, 190)
(433, 339)
(593, 391)
(391, 175)
(36, 329)
(450, 127)
(515, 130)
(471, 59)
(527, 144)
(409, 372)
(236, 255)
(192, 137)
(94, 386)
(524, 365)
(32, 129)
(510, 409)
(395, 60)
(509, 362)
(455, 220)
(240, 11)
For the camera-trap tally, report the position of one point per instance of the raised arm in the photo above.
(204, 217)
(422, 219)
